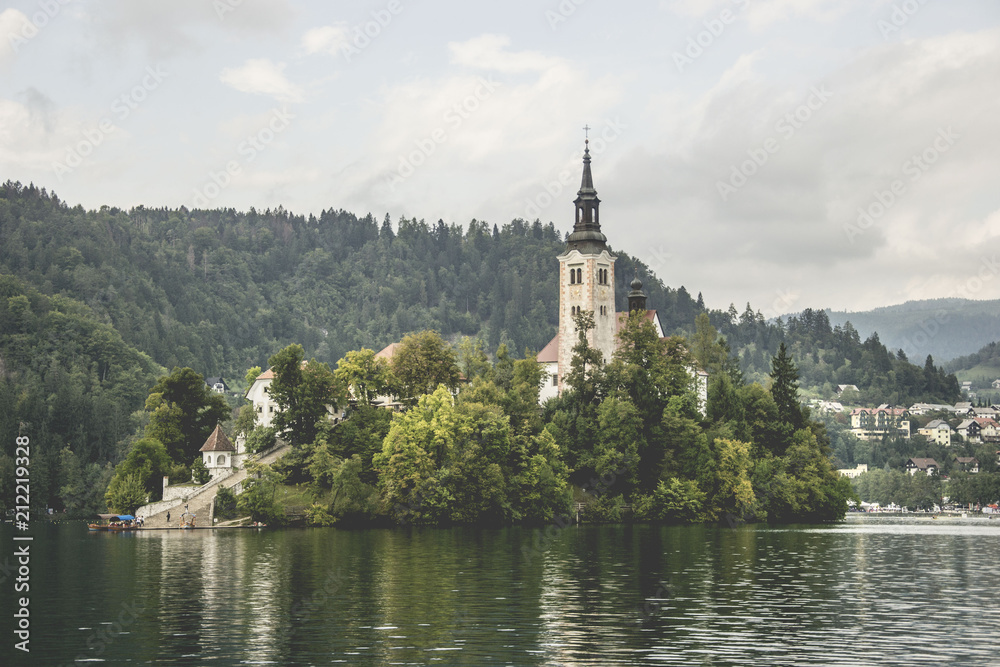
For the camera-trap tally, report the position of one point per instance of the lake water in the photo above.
(870, 591)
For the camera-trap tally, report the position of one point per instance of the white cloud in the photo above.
(12, 22)
(490, 52)
(787, 224)
(766, 12)
(262, 77)
(494, 113)
(327, 39)
(761, 13)
(180, 27)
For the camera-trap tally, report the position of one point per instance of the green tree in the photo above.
(126, 494)
(421, 362)
(184, 411)
(258, 497)
(472, 358)
(441, 462)
(246, 421)
(586, 372)
(709, 349)
(148, 462)
(785, 389)
(351, 499)
(734, 498)
(304, 392)
(677, 501)
(72, 485)
(540, 490)
(366, 375)
(617, 449)
(252, 375)
(225, 504)
(261, 439)
(199, 472)
(813, 490)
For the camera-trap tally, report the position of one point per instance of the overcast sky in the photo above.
(736, 143)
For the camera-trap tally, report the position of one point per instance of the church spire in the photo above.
(587, 184)
(587, 236)
(636, 298)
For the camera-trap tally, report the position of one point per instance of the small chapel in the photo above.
(587, 283)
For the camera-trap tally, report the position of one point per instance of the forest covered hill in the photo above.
(95, 305)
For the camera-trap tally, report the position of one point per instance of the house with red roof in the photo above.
(875, 423)
(219, 455)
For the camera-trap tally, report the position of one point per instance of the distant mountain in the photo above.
(943, 328)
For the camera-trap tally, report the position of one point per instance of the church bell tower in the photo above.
(586, 276)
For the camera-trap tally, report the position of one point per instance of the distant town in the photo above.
(941, 425)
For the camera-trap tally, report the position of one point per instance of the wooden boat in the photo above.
(115, 522)
(187, 520)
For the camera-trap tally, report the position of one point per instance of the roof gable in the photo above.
(217, 442)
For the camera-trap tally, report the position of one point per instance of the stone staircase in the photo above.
(200, 504)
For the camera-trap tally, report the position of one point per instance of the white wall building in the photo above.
(854, 472)
(937, 431)
(219, 455)
(586, 283)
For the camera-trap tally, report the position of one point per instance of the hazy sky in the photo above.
(734, 141)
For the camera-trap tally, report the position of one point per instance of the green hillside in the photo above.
(96, 305)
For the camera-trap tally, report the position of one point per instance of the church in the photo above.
(587, 283)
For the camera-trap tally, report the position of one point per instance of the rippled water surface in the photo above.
(870, 591)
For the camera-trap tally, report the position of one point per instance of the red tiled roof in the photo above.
(550, 353)
(623, 316)
(217, 442)
(387, 352)
(893, 412)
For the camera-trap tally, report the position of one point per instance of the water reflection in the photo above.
(869, 591)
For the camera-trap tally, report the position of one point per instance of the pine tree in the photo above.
(785, 389)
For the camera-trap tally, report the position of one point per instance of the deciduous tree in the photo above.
(184, 411)
(421, 362)
(305, 394)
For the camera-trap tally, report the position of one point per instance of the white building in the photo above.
(937, 431)
(587, 283)
(875, 423)
(259, 395)
(219, 455)
(925, 408)
(854, 472)
(928, 466)
(827, 407)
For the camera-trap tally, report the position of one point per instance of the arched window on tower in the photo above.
(579, 276)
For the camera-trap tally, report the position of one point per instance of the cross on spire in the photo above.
(586, 133)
